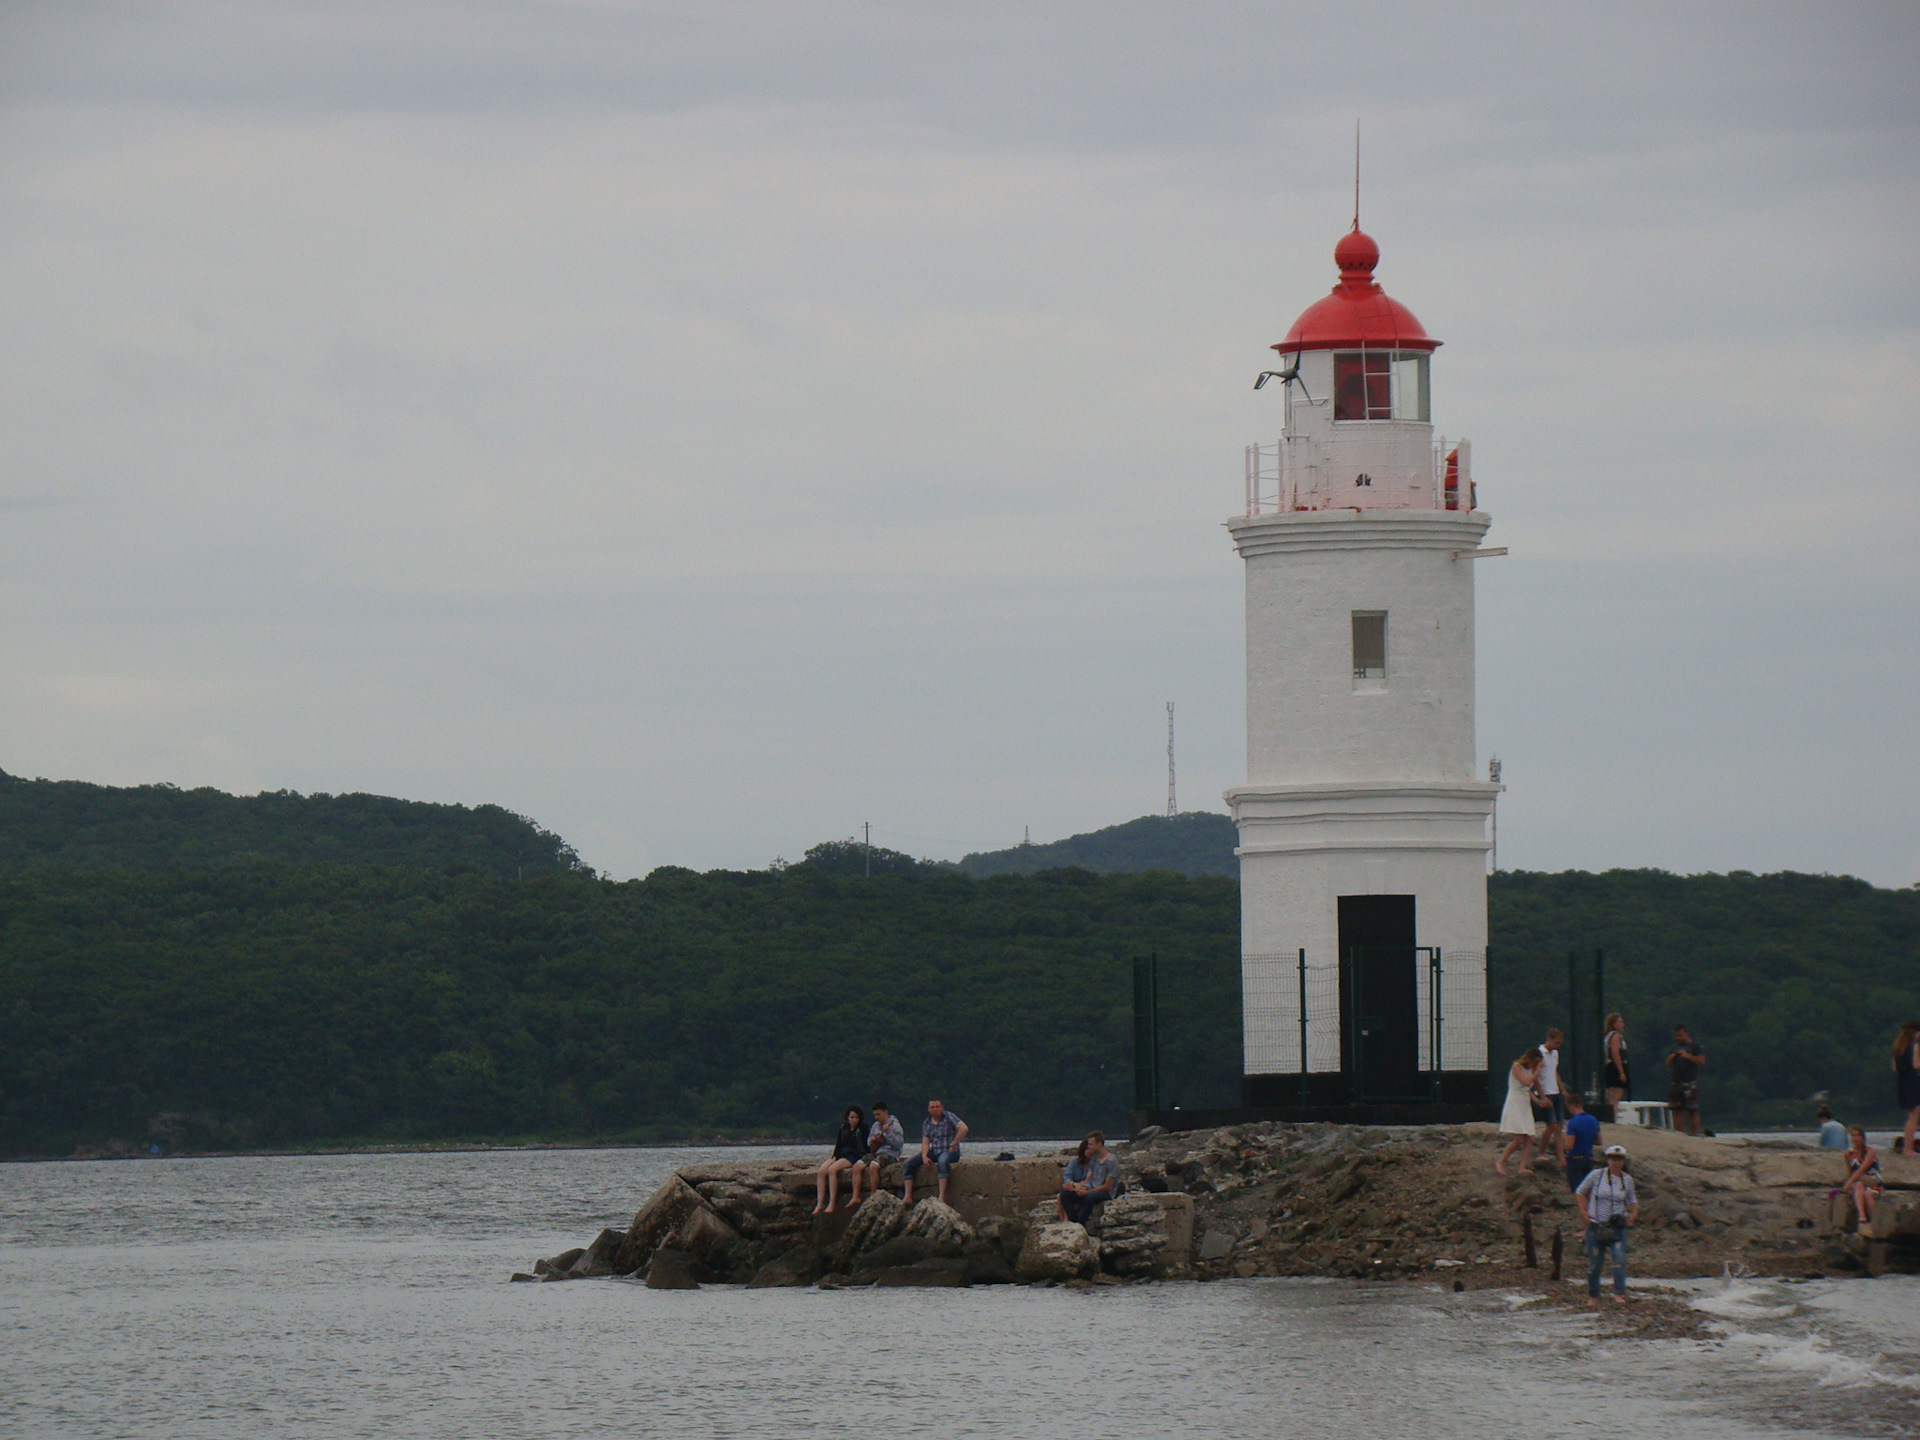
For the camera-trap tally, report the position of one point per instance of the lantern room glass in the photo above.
(1380, 385)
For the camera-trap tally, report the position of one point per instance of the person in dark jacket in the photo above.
(849, 1149)
(1906, 1080)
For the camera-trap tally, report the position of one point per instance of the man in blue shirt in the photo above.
(1833, 1135)
(940, 1137)
(1582, 1131)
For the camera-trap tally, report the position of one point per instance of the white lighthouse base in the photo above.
(1363, 944)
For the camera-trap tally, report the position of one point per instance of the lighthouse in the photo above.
(1363, 828)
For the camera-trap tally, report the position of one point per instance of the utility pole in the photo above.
(1173, 805)
(866, 829)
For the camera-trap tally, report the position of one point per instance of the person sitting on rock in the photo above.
(849, 1149)
(885, 1141)
(1863, 1183)
(1090, 1179)
(940, 1137)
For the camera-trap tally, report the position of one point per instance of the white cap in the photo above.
(1613, 1150)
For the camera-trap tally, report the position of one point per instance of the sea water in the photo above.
(367, 1295)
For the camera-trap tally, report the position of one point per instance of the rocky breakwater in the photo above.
(1335, 1200)
(752, 1224)
(1269, 1199)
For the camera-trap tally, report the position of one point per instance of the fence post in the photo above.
(1433, 994)
(1146, 1032)
(1303, 1024)
(1573, 1013)
(1356, 1050)
(1599, 1021)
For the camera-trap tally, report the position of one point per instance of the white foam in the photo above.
(1814, 1355)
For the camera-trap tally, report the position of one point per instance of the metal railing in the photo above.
(1296, 1021)
(1295, 473)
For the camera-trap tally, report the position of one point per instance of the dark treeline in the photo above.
(262, 1002)
(267, 1004)
(70, 824)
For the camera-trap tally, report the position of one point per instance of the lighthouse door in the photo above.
(1379, 1000)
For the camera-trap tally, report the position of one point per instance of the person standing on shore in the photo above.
(1684, 1063)
(885, 1141)
(1516, 1118)
(940, 1137)
(1619, 1080)
(1550, 1106)
(1906, 1079)
(1582, 1131)
(1608, 1205)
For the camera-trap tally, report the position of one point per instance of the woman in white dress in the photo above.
(1516, 1119)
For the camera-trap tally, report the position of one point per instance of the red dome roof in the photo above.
(1358, 312)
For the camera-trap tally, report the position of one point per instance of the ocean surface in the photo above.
(367, 1295)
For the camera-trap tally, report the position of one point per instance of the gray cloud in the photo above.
(708, 427)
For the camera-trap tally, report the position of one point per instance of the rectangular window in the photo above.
(1369, 644)
(1410, 387)
(1370, 385)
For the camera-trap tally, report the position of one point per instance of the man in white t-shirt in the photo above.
(1549, 1098)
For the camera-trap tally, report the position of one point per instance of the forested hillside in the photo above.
(266, 1004)
(1197, 842)
(69, 825)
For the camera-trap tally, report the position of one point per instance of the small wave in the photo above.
(1815, 1355)
(1747, 1300)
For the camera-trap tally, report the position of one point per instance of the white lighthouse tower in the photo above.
(1363, 826)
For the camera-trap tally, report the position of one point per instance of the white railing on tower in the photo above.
(1293, 473)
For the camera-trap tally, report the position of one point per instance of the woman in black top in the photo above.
(849, 1147)
(1619, 1081)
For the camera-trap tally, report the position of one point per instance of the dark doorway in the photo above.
(1379, 1002)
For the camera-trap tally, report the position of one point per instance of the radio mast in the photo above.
(1173, 807)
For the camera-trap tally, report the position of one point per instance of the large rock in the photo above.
(799, 1266)
(901, 1250)
(555, 1267)
(934, 1272)
(1133, 1236)
(706, 1237)
(752, 1204)
(1060, 1250)
(663, 1214)
(599, 1257)
(876, 1221)
(673, 1270)
(940, 1225)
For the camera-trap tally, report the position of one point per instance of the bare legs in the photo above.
(1862, 1198)
(826, 1184)
(1526, 1161)
(1913, 1120)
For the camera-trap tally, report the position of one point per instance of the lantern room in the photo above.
(1357, 426)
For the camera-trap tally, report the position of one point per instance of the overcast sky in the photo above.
(705, 427)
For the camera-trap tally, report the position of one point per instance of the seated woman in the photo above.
(1862, 1186)
(849, 1149)
(1091, 1178)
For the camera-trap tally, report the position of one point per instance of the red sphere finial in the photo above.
(1356, 255)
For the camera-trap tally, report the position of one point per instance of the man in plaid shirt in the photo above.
(940, 1137)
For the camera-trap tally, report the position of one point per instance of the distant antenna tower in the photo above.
(1173, 805)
